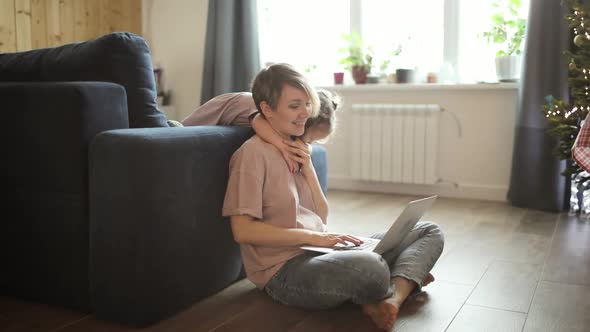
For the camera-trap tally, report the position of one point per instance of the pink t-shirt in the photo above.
(229, 109)
(261, 186)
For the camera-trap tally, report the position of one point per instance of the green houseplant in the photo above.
(387, 64)
(358, 58)
(507, 32)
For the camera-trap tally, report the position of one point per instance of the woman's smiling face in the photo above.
(292, 110)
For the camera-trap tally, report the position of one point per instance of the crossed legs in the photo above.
(379, 283)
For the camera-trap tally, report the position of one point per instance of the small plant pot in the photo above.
(359, 74)
(373, 79)
(508, 68)
(431, 78)
(338, 78)
(391, 78)
(404, 75)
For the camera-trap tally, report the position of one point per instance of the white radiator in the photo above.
(395, 142)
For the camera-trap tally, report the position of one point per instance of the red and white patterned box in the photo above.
(581, 148)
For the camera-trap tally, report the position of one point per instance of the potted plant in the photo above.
(507, 31)
(358, 58)
(386, 67)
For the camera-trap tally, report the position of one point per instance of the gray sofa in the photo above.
(107, 209)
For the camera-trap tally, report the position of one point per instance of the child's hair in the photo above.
(268, 85)
(326, 117)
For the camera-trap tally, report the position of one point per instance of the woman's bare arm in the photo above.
(319, 199)
(301, 153)
(247, 230)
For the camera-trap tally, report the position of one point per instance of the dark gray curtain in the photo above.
(535, 181)
(232, 57)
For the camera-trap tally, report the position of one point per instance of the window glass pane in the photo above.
(415, 25)
(304, 33)
(476, 61)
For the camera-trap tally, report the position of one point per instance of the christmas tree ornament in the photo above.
(572, 65)
(579, 40)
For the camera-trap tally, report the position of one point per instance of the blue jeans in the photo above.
(320, 281)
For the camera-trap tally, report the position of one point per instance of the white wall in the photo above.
(479, 161)
(175, 30)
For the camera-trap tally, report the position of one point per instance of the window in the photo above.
(475, 60)
(304, 33)
(441, 36)
(416, 26)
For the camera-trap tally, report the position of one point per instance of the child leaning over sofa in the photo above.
(239, 109)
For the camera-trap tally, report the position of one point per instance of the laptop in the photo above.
(396, 233)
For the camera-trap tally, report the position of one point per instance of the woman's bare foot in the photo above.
(429, 278)
(383, 313)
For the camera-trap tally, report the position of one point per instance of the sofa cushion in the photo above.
(119, 57)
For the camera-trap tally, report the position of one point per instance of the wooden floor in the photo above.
(503, 269)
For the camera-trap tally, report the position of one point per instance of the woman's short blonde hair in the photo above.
(268, 85)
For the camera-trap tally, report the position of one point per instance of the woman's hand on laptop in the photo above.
(331, 239)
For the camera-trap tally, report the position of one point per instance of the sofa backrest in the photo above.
(119, 57)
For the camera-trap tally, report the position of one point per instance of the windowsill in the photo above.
(422, 87)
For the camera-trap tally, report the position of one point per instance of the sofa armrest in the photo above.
(158, 242)
(320, 164)
(48, 127)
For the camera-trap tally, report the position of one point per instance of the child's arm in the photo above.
(265, 131)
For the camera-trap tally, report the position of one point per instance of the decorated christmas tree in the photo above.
(565, 118)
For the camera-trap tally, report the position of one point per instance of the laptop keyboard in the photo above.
(366, 244)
